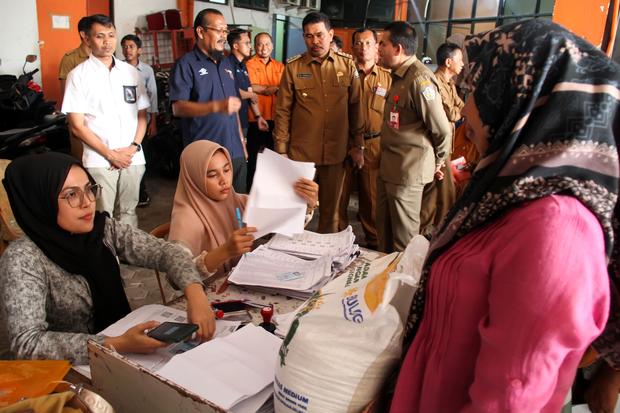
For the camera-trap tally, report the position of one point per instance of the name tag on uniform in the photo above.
(381, 91)
(304, 75)
(129, 93)
(394, 121)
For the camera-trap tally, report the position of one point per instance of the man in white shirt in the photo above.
(106, 103)
(132, 49)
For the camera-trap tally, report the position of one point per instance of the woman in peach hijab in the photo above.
(205, 203)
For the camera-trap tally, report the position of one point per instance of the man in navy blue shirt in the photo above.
(204, 95)
(240, 50)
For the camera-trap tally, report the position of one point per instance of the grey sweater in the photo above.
(48, 311)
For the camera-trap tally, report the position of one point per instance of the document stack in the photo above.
(339, 246)
(296, 266)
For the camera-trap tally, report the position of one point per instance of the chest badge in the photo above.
(203, 71)
(129, 94)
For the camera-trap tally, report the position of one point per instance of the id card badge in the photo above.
(394, 119)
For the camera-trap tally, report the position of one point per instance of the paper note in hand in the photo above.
(273, 205)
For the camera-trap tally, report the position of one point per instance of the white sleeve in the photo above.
(74, 100)
(143, 98)
(151, 87)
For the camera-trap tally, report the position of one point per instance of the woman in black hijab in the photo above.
(61, 282)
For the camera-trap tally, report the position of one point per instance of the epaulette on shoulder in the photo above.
(343, 54)
(293, 58)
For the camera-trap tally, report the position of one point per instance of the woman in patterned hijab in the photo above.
(515, 285)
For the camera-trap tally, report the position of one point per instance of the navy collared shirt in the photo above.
(197, 78)
(242, 81)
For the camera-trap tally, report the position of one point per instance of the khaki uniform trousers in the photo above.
(330, 179)
(398, 214)
(437, 199)
(366, 179)
(120, 187)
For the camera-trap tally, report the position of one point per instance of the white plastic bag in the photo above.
(346, 338)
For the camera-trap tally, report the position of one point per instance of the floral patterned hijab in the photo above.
(550, 100)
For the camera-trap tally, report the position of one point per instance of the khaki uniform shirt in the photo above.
(375, 86)
(452, 102)
(318, 108)
(410, 154)
(69, 61)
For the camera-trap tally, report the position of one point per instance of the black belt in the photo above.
(371, 135)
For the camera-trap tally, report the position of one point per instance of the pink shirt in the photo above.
(510, 310)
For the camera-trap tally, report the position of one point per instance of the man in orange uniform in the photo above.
(265, 74)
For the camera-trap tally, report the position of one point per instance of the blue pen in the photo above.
(239, 221)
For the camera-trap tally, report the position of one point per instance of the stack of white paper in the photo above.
(339, 246)
(273, 205)
(228, 370)
(278, 272)
(157, 312)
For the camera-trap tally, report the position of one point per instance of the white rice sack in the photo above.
(347, 337)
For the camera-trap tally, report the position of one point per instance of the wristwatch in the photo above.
(137, 145)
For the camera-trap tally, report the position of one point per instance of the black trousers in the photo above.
(257, 141)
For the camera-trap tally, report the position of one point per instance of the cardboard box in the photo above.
(130, 388)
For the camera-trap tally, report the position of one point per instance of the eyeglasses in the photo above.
(218, 30)
(75, 195)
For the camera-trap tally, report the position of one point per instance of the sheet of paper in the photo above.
(227, 370)
(273, 205)
(254, 403)
(312, 244)
(273, 269)
(157, 312)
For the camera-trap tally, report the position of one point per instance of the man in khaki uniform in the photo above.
(439, 196)
(375, 82)
(70, 60)
(415, 138)
(318, 110)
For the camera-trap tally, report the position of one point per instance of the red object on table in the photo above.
(266, 313)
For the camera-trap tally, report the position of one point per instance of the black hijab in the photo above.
(33, 184)
(551, 102)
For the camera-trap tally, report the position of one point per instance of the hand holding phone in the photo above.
(170, 332)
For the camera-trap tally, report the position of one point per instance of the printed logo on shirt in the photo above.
(304, 75)
(130, 94)
(429, 93)
(230, 73)
(203, 71)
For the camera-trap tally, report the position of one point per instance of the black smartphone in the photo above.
(170, 332)
(229, 306)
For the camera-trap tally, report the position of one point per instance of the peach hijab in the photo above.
(198, 221)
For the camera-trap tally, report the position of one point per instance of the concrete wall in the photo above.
(129, 14)
(19, 24)
(20, 34)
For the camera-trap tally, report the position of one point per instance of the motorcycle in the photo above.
(29, 123)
